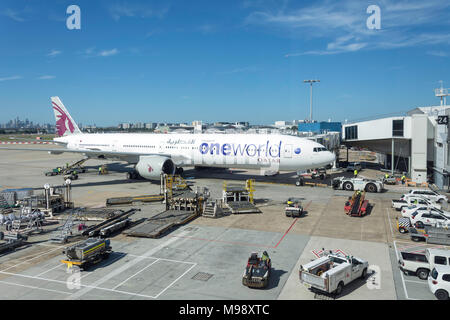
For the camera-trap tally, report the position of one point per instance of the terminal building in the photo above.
(416, 143)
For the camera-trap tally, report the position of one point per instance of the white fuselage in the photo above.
(246, 151)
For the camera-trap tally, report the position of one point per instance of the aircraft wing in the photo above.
(130, 157)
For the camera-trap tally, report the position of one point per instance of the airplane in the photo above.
(153, 154)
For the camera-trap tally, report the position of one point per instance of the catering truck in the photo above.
(330, 273)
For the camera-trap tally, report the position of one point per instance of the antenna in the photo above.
(442, 93)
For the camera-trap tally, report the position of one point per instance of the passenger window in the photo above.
(440, 260)
(446, 277)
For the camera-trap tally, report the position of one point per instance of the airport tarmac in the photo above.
(205, 259)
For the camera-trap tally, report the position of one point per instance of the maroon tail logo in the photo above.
(61, 122)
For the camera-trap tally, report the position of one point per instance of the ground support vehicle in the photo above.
(353, 184)
(54, 172)
(432, 235)
(294, 208)
(330, 273)
(257, 272)
(403, 224)
(352, 166)
(356, 206)
(87, 253)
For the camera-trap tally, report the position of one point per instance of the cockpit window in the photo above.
(319, 149)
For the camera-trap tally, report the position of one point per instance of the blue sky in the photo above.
(178, 61)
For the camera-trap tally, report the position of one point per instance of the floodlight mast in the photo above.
(310, 102)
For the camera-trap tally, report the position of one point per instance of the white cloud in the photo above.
(342, 24)
(46, 77)
(11, 78)
(207, 28)
(13, 15)
(119, 10)
(54, 53)
(107, 53)
(438, 53)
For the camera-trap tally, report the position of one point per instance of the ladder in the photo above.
(4, 206)
(63, 232)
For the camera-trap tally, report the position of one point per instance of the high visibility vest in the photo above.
(355, 172)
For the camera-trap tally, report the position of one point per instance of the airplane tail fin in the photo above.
(64, 123)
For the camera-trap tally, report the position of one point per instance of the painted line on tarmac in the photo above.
(32, 287)
(175, 281)
(121, 269)
(396, 254)
(132, 276)
(293, 223)
(224, 241)
(419, 282)
(40, 255)
(247, 244)
(48, 270)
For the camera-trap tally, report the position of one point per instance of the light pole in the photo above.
(310, 102)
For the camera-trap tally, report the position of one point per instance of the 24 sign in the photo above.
(442, 120)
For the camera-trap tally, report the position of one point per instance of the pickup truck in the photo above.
(420, 264)
(414, 263)
(427, 193)
(330, 273)
(407, 201)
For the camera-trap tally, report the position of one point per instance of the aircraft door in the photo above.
(287, 151)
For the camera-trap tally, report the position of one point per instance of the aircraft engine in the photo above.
(151, 167)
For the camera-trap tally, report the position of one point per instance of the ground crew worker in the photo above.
(59, 170)
(355, 173)
(403, 179)
(99, 170)
(265, 256)
(386, 175)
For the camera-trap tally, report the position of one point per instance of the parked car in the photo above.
(352, 166)
(408, 200)
(439, 282)
(420, 264)
(428, 217)
(429, 194)
(407, 212)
